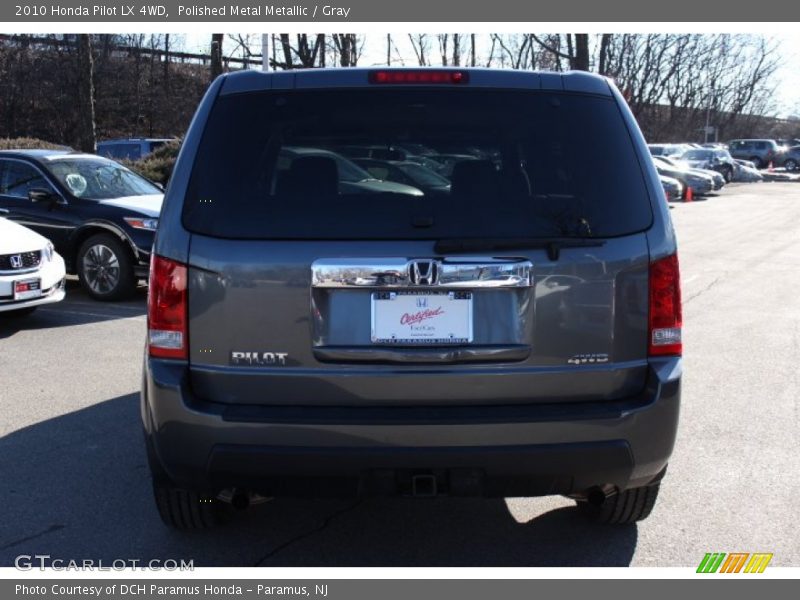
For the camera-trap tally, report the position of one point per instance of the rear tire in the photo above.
(185, 509)
(622, 508)
(791, 165)
(180, 508)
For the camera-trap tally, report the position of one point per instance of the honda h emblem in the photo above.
(424, 272)
(15, 260)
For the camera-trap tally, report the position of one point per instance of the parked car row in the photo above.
(700, 176)
(783, 153)
(708, 167)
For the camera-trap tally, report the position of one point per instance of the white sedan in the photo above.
(31, 272)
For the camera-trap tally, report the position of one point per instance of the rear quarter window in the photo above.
(520, 163)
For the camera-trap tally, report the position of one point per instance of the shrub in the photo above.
(158, 165)
(25, 143)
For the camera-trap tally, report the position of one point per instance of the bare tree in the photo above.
(85, 135)
(577, 49)
(420, 44)
(581, 59)
(166, 63)
(675, 82)
(515, 50)
(450, 49)
(391, 46)
(155, 44)
(242, 44)
(605, 42)
(304, 54)
(443, 39)
(472, 49)
(347, 49)
(490, 58)
(216, 55)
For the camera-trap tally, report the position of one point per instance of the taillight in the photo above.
(166, 309)
(419, 76)
(666, 316)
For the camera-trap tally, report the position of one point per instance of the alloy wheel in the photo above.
(101, 269)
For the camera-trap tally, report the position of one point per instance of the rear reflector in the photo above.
(166, 309)
(419, 76)
(666, 315)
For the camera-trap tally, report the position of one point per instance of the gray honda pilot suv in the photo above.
(316, 330)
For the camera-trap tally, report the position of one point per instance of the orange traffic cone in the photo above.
(770, 168)
(689, 194)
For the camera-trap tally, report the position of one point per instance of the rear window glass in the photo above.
(278, 165)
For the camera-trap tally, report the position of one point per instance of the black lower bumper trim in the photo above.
(532, 470)
(394, 415)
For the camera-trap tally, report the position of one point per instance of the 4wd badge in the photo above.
(586, 359)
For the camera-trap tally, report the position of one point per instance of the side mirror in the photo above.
(44, 196)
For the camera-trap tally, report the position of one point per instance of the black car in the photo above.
(712, 159)
(100, 216)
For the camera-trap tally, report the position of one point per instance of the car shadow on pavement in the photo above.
(77, 487)
(76, 309)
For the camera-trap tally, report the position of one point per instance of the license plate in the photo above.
(25, 289)
(422, 318)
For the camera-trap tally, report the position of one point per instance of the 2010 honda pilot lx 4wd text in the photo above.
(315, 330)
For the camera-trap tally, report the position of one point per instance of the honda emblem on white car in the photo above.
(16, 261)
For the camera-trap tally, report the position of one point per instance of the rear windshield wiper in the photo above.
(552, 245)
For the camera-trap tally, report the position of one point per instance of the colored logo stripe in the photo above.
(734, 562)
(713, 562)
(758, 562)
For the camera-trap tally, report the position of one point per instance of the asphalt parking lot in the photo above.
(75, 484)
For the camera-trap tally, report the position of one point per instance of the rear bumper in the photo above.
(540, 449)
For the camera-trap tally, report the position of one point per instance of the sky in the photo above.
(788, 78)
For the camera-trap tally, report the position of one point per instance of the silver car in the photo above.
(673, 189)
(700, 183)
